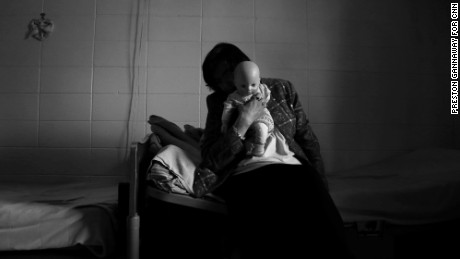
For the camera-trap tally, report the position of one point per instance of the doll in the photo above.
(247, 83)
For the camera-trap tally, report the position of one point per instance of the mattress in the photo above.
(420, 187)
(45, 213)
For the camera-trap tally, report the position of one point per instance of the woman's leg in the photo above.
(284, 210)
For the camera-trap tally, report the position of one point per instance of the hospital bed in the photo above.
(48, 215)
(402, 207)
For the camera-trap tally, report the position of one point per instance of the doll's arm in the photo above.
(265, 92)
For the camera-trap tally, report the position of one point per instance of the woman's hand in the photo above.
(252, 109)
(248, 113)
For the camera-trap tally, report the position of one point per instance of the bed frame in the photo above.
(140, 193)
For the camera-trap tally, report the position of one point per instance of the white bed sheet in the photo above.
(419, 187)
(57, 214)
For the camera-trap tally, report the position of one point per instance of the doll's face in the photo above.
(247, 78)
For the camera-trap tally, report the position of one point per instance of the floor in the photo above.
(401, 242)
(175, 233)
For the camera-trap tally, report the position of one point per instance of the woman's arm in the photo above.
(217, 149)
(220, 149)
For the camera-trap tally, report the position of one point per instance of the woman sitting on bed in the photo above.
(279, 202)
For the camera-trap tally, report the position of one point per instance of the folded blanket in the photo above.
(170, 133)
(167, 138)
(189, 141)
(177, 154)
(164, 180)
(177, 170)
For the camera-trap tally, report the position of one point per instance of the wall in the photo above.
(372, 75)
(379, 78)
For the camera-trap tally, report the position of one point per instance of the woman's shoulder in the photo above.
(278, 85)
(274, 81)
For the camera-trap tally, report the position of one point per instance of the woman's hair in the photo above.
(222, 52)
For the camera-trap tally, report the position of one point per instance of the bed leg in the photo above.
(133, 220)
(133, 227)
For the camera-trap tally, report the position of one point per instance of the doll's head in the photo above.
(247, 78)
